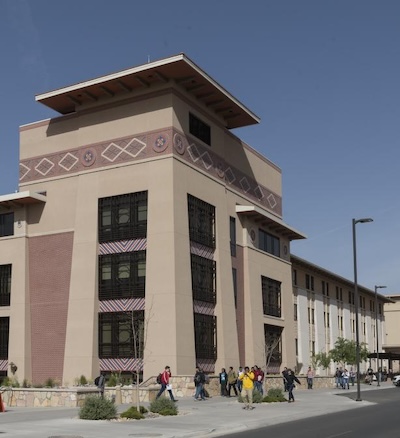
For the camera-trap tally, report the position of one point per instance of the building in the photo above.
(324, 311)
(144, 233)
(392, 344)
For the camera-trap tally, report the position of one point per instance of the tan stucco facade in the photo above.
(134, 142)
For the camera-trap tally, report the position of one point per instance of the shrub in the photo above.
(133, 413)
(25, 384)
(97, 408)
(274, 395)
(83, 380)
(49, 383)
(163, 406)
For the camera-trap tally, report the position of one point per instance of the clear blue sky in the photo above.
(323, 75)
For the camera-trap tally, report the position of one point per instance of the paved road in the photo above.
(380, 420)
(215, 417)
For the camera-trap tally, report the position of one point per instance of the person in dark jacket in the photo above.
(291, 378)
(223, 381)
(199, 381)
(284, 375)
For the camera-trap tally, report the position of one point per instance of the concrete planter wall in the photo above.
(182, 386)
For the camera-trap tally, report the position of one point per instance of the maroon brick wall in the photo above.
(49, 280)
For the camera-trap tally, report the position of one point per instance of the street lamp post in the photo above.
(378, 374)
(356, 300)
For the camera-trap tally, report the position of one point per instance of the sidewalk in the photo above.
(211, 418)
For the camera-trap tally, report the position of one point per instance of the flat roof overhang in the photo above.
(178, 68)
(264, 218)
(19, 199)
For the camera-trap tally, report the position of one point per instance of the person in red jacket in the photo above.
(165, 384)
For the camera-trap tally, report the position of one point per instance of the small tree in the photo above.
(344, 352)
(272, 341)
(323, 360)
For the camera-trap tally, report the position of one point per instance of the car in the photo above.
(396, 380)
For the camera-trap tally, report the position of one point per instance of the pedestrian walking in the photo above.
(291, 379)
(345, 378)
(199, 381)
(284, 375)
(165, 385)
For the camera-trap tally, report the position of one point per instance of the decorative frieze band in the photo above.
(146, 146)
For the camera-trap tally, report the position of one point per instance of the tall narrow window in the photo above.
(201, 221)
(232, 232)
(7, 224)
(123, 217)
(5, 285)
(199, 129)
(271, 294)
(234, 278)
(273, 345)
(4, 337)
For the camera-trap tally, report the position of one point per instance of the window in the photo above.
(117, 332)
(123, 217)
(296, 344)
(294, 277)
(122, 275)
(309, 282)
(295, 311)
(269, 243)
(325, 288)
(203, 279)
(5, 285)
(271, 294)
(339, 293)
(273, 344)
(199, 129)
(7, 224)
(232, 230)
(4, 336)
(201, 222)
(234, 277)
(205, 332)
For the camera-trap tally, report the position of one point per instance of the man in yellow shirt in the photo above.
(247, 390)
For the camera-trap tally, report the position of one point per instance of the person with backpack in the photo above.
(165, 385)
(199, 381)
(100, 382)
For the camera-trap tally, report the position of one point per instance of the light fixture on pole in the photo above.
(356, 300)
(378, 374)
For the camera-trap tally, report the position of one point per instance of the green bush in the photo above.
(83, 380)
(49, 383)
(274, 395)
(163, 406)
(97, 408)
(133, 413)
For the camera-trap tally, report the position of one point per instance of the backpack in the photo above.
(159, 379)
(97, 380)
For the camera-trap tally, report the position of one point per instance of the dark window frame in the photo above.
(204, 273)
(7, 224)
(4, 336)
(119, 286)
(5, 284)
(269, 243)
(119, 323)
(123, 217)
(272, 297)
(273, 333)
(232, 233)
(199, 129)
(201, 221)
(205, 332)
